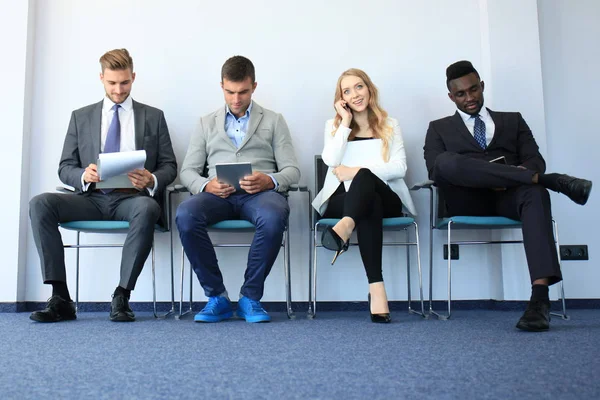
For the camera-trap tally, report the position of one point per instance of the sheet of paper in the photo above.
(360, 153)
(113, 164)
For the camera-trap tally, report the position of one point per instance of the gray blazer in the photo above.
(82, 145)
(267, 145)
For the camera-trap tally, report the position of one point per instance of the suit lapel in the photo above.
(139, 117)
(499, 125)
(95, 129)
(255, 117)
(460, 126)
(220, 125)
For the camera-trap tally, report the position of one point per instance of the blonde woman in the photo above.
(377, 189)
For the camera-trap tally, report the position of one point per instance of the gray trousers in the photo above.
(47, 210)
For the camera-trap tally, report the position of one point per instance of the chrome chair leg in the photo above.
(190, 309)
(418, 246)
(311, 244)
(287, 274)
(431, 311)
(408, 282)
(313, 276)
(153, 281)
(562, 314)
(77, 274)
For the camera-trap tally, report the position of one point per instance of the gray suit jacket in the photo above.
(82, 145)
(267, 145)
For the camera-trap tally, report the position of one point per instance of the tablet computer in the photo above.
(231, 173)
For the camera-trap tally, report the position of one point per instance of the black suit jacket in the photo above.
(82, 147)
(512, 139)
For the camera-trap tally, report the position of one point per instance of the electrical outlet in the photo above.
(574, 252)
(453, 252)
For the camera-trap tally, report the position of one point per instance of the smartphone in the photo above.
(499, 160)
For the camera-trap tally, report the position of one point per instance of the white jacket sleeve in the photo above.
(334, 145)
(395, 168)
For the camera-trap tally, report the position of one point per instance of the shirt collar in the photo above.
(127, 105)
(247, 114)
(483, 113)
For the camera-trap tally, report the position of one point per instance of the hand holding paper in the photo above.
(141, 179)
(113, 164)
(114, 167)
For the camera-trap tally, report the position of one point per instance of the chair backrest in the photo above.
(442, 209)
(320, 173)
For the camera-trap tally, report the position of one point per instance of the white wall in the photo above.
(298, 51)
(569, 34)
(16, 28)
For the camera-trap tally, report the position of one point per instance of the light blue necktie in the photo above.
(113, 138)
(479, 131)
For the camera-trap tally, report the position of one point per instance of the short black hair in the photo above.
(459, 69)
(237, 69)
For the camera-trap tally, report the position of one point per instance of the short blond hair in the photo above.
(117, 59)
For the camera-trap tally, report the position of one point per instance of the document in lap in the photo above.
(361, 153)
(113, 168)
(231, 173)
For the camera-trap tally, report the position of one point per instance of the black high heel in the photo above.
(379, 318)
(332, 241)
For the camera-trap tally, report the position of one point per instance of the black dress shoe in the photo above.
(576, 189)
(378, 318)
(57, 309)
(536, 318)
(120, 310)
(332, 241)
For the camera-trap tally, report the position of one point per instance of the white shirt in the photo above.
(485, 116)
(126, 119)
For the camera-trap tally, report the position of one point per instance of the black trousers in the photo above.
(467, 187)
(367, 202)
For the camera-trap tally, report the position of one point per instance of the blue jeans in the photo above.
(268, 211)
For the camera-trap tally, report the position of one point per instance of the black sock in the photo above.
(60, 289)
(124, 292)
(539, 293)
(549, 181)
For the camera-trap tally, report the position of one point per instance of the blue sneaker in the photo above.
(251, 310)
(217, 309)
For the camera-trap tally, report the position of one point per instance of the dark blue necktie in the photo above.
(479, 131)
(113, 137)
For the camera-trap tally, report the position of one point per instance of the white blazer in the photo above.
(391, 172)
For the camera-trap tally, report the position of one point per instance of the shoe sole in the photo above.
(530, 329)
(31, 317)
(586, 193)
(122, 319)
(254, 320)
(213, 318)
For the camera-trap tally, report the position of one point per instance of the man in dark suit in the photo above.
(115, 124)
(458, 150)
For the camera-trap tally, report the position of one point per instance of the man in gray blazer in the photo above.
(117, 123)
(241, 131)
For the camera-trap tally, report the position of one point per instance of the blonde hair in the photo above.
(377, 116)
(117, 59)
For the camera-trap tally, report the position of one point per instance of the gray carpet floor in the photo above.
(339, 355)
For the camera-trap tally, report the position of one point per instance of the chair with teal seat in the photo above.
(439, 221)
(397, 224)
(114, 227)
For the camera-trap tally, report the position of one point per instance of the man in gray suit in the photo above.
(117, 123)
(241, 131)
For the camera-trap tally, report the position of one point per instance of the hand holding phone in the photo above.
(343, 110)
